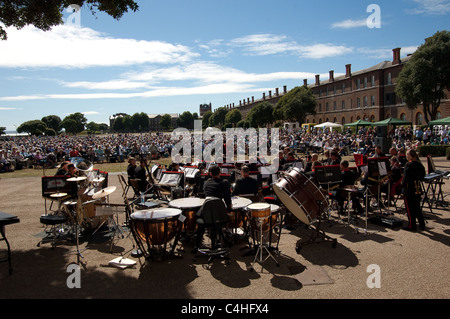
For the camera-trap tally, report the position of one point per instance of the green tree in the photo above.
(166, 121)
(34, 127)
(186, 120)
(2, 130)
(92, 127)
(295, 105)
(74, 123)
(261, 114)
(426, 75)
(205, 119)
(44, 14)
(217, 119)
(140, 122)
(52, 121)
(233, 117)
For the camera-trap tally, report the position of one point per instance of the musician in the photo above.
(379, 152)
(72, 170)
(213, 187)
(140, 174)
(131, 168)
(335, 158)
(174, 167)
(349, 178)
(413, 174)
(63, 169)
(245, 185)
(314, 158)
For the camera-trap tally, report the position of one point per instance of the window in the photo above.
(343, 121)
(343, 87)
(365, 101)
(373, 80)
(403, 117)
(334, 89)
(419, 119)
(334, 106)
(358, 84)
(372, 100)
(365, 82)
(389, 78)
(358, 102)
(320, 107)
(343, 104)
(327, 107)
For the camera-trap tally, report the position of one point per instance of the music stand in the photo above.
(328, 175)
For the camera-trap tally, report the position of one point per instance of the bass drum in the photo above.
(301, 196)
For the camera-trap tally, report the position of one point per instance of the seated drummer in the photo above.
(63, 169)
(131, 168)
(349, 178)
(140, 175)
(213, 187)
(246, 185)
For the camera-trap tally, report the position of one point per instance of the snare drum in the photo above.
(237, 216)
(154, 228)
(189, 207)
(267, 214)
(259, 210)
(301, 196)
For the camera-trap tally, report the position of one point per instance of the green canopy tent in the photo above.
(444, 121)
(359, 123)
(392, 121)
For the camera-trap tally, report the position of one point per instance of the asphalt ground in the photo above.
(381, 264)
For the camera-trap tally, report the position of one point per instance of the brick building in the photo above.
(367, 94)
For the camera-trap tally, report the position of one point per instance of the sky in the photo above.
(173, 55)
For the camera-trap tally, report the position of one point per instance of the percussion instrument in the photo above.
(237, 216)
(77, 179)
(104, 192)
(259, 210)
(189, 207)
(266, 213)
(301, 196)
(153, 229)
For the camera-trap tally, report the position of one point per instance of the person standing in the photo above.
(413, 174)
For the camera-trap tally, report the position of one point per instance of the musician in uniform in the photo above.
(131, 168)
(213, 187)
(72, 170)
(413, 174)
(245, 185)
(349, 178)
(140, 175)
(63, 169)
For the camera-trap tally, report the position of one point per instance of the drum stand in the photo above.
(316, 233)
(259, 252)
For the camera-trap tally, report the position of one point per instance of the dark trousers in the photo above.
(414, 211)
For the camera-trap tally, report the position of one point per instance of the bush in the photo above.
(433, 150)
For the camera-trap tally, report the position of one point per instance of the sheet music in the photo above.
(382, 168)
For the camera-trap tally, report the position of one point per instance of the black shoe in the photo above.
(409, 229)
(422, 227)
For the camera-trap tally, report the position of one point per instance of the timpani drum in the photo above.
(153, 229)
(237, 216)
(300, 195)
(189, 207)
(267, 214)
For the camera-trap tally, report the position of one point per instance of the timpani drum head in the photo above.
(188, 202)
(240, 202)
(156, 213)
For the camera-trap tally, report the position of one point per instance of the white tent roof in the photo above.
(328, 124)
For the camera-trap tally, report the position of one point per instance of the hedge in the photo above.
(434, 150)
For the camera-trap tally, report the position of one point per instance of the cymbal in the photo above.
(104, 192)
(76, 179)
(58, 195)
(98, 179)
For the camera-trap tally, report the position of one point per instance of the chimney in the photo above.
(276, 92)
(396, 56)
(348, 70)
(331, 76)
(264, 95)
(305, 82)
(270, 94)
(285, 89)
(253, 99)
(317, 79)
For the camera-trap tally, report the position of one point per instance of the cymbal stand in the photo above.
(262, 246)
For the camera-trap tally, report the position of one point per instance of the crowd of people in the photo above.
(21, 152)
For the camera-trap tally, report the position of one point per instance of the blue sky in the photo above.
(173, 55)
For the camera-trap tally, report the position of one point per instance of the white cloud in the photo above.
(433, 7)
(385, 53)
(74, 47)
(349, 24)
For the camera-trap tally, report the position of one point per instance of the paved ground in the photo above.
(410, 265)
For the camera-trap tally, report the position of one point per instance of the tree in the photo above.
(217, 119)
(44, 14)
(74, 123)
(295, 105)
(205, 119)
(92, 127)
(52, 121)
(261, 114)
(140, 122)
(426, 75)
(33, 127)
(186, 120)
(166, 122)
(233, 117)
(2, 130)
